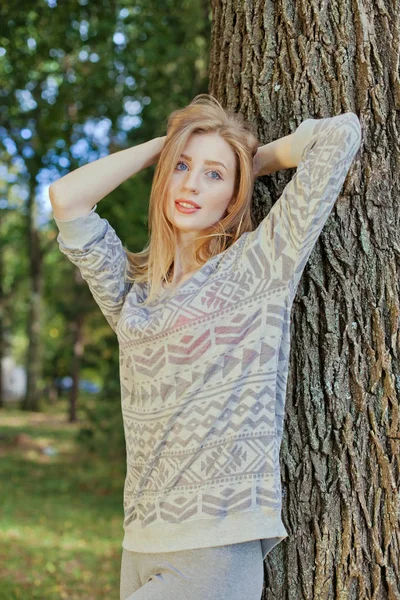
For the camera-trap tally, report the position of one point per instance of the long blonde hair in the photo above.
(203, 115)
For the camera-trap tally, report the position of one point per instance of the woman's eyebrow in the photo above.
(207, 162)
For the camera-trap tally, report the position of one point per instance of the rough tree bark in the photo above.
(279, 63)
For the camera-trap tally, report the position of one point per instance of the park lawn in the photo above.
(61, 515)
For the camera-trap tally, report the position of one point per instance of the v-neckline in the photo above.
(178, 285)
(186, 280)
(169, 292)
(208, 265)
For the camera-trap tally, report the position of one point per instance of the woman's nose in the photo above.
(191, 181)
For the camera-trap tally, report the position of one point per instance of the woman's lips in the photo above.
(185, 210)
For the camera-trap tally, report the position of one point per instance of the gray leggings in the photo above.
(234, 572)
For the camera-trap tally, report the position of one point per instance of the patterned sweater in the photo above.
(203, 369)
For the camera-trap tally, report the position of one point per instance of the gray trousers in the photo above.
(233, 572)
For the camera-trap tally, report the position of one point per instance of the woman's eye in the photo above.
(217, 172)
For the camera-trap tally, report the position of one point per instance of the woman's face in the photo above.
(205, 174)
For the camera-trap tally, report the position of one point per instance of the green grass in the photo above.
(61, 516)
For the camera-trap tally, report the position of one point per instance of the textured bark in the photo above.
(279, 63)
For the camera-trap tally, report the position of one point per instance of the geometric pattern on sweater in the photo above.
(203, 368)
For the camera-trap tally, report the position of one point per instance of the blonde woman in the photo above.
(202, 317)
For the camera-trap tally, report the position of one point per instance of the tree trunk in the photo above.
(31, 400)
(279, 63)
(79, 347)
(2, 329)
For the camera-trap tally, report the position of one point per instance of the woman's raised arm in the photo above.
(75, 194)
(285, 152)
(324, 150)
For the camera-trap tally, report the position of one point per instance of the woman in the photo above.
(202, 317)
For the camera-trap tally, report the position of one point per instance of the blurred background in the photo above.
(78, 80)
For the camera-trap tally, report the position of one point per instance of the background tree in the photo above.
(280, 63)
(78, 80)
(93, 84)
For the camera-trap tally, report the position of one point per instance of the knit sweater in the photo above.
(203, 368)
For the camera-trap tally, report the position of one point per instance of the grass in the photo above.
(61, 514)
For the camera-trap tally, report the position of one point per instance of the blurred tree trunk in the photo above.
(79, 347)
(2, 338)
(31, 400)
(279, 63)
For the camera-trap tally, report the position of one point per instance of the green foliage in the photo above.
(65, 68)
(103, 432)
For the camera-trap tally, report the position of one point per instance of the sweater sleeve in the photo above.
(92, 245)
(282, 243)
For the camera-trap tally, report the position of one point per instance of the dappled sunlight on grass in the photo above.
(66, 535)
(62, 513)
(43, 572)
